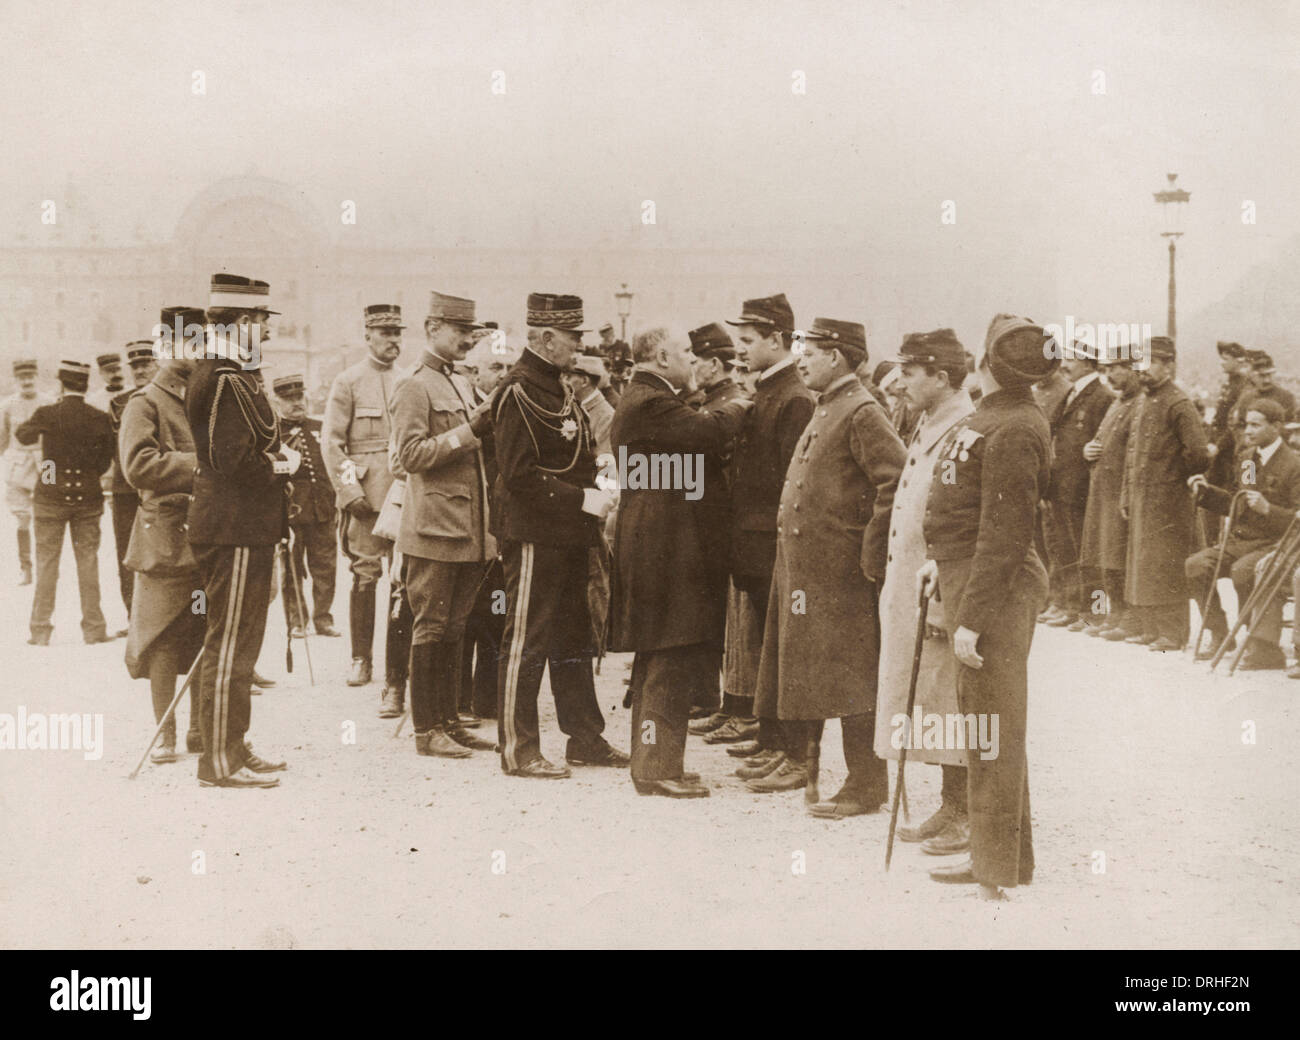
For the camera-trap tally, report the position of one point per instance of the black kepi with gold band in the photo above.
(767, 310)
(384, 316)
(555, 311)
(74, 376)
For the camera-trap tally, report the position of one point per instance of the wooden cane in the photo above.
(923, 606)
(189, 677)
(1284, 559)
(1279, 578)
(302, 610)
(1218, 565)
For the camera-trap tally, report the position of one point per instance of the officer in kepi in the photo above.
(237, 515)
(354, 441)
(312, 518)
(550, 510)
(979, 538)
(19, 461)
(76, 445)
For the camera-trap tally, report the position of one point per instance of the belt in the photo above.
(367, 447)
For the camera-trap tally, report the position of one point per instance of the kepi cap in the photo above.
(767, 310)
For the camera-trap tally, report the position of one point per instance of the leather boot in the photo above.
(392, 700)
(439, 745)
(449, 674)
(361, 622)
(25, 555)
(397, 641)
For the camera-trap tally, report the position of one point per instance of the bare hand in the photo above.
(1092, 450)
(1197, 481)
(1257, 501)
(1212, 449)
(927, 578)
(963, 645)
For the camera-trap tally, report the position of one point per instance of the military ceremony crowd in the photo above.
(868, 541)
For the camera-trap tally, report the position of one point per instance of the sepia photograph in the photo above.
(656, 475)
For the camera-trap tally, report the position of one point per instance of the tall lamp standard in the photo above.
(1173, 205)
(624, 299)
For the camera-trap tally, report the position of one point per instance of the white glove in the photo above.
(289, 465)
(597, 502)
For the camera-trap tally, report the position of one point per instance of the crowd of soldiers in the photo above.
(726, 506)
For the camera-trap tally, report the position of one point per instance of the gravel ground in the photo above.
(1135, 756)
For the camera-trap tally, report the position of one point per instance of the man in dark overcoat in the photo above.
(674, 626)
(1166, 445)
(979, 533)
(1073, 425)
(1105, 532)
(832, 532)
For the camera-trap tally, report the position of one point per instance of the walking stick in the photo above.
(302, 613)
(1284, 559)
(1278, 578)
(400, 723)
(1218, 565)
(922, 607)
(189, 677)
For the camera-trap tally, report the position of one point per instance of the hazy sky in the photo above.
(689, 104)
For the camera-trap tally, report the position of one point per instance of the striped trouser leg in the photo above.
(523, 655)
(237, 587)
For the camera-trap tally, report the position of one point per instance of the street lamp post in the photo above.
(1173, 203)
(624, 299)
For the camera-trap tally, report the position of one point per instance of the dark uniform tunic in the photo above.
(979, 527)
(237, 515)
(313, 536)
(544, 460)
(782, 408)
(76, 451)
(674, 626)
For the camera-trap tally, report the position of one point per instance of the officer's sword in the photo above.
(189, 677)
(302, 612)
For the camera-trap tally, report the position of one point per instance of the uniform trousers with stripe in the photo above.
(237, 586)
(665, 685)
(548, 622)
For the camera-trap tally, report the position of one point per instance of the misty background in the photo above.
(833, 196)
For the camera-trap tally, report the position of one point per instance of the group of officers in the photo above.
(484, 482)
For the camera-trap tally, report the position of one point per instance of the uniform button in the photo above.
(911, 462)
(796, 530)
(778, 529)
(891, 558)
(796, 505)
(798, 483)
(905, 483)
(823, 411)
